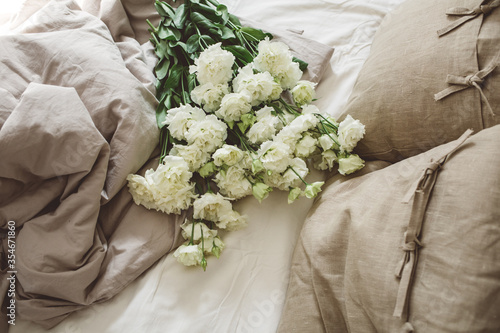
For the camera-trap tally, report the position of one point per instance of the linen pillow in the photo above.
(352, 247)
(411, 65)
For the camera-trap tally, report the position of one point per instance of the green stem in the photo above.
(243, 141)
(209, 188)
(288, 107)
(291, 168)
(327, 121)
(164, 140)
(191, 241)
(155, 30)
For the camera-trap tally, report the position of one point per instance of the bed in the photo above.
(408, 244)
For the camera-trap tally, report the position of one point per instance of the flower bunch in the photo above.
(245, 125)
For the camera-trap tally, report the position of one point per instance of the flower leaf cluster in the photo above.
(181, 35)
(236, 120)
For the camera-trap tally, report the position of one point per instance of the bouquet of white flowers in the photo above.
(228, 130)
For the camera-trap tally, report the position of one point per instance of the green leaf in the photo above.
(161, 114)
(189, 29)
(223, 13)
(240, 53)
(186, 97)
(302, 64)
(180, 16)
(177, 100)
(201, 21)
(176, 45)
(191, 79)
(169, 33)
(207, 11)
(253, 34)
(174, 75)
(164, 9)
(161, 49)
(162, 68)
(207, 39)
(225, 32)
(193, 43)
(234, 20)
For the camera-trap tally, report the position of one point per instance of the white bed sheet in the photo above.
(244, 290)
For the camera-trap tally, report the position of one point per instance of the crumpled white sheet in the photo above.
(244, 290)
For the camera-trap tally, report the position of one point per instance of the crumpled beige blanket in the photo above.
(77, 115)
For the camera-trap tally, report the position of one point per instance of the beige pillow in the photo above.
(350, 250)
(409, 67)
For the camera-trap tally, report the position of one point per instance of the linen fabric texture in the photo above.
(347, 266)
(419, 88)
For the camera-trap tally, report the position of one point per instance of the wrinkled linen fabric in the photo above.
(78, 115)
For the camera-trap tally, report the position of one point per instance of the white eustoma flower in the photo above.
(141, 191)
(265, 127)
(289, 136)
(189, 255)
(263, 130)
(261, 191)
(275, 156)
(275, 58)
(303, 93)
(291, 76)
(194, 155)
(326, 161)
(304, 122)
(293, 194)
(326, 141)
(209, 95)
(214, 65)
(312, 190)
(227, 155)
(350, 164)
(264, 112)
(260, 87)
(233, 183)
(310, 108)
(232, 221)
(211, 206)
(169, 188)
(233, 106)
(274, 179)
(305, 146)
(290, 178)
(207, 134)
(349, 133)
(180, 119)
(193, 231)
(213, 245)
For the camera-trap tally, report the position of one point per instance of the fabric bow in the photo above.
(459, 83)
(467, 15)
(420, 191)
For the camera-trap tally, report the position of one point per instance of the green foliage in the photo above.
(181, 35)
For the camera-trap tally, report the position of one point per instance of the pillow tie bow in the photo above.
(459, 83)
(467, 15)
(405, 270)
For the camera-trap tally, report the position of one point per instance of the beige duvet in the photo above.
(77, 115)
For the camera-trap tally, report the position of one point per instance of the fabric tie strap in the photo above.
(459, 83)
(421, 193)
(467, 15)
